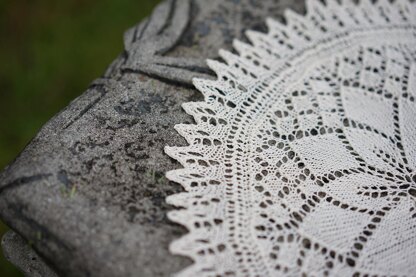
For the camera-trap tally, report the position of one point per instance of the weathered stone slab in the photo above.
(18, 251)
(89, 190)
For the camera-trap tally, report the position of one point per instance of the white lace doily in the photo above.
(303, 158)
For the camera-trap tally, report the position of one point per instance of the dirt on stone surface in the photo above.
(50, 52)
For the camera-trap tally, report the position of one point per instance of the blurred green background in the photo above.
(50, 50)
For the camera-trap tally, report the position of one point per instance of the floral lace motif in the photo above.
(303, 158)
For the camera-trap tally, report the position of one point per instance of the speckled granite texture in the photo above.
(88, 191)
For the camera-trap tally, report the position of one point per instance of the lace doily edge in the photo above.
(186, 245)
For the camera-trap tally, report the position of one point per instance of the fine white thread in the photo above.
(302, 161)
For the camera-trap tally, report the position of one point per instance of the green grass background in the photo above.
(50, 50)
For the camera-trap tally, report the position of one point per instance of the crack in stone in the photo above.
(23, 181)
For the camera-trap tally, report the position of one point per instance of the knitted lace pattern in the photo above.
(302, 161)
